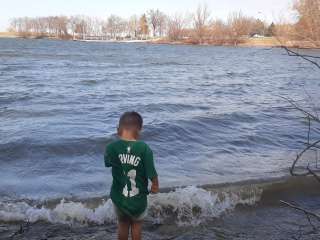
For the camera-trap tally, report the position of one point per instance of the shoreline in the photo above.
(266, 219)
(248, 42)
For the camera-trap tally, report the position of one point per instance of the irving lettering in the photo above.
(129, 159)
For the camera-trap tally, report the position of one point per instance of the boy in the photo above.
(132, 165)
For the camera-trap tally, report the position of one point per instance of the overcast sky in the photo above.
(269, 10)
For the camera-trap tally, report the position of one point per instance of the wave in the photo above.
(194, 130)
(171, 107)
(173, 63)
(64, 212)
(89, 82)
(190, 205)
(25, 147)
(193, 205)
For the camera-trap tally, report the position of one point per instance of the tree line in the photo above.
(197, 27)
(307, 26)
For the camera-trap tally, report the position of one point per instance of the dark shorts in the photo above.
(123, 217)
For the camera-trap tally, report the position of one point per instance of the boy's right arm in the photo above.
(151, 170)
(155, 185)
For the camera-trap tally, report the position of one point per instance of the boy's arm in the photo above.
(155, 185)
(150, 170)
(108, 157)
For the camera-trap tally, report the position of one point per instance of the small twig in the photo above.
(310, 117)
(307, 212)
(310, 222)
(296, 106)
(313, 174)
(309, 129)
(311, 102)
(293, 53)
(298, 157)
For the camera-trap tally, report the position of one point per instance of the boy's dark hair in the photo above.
(131, 120)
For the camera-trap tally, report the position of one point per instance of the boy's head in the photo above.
(130, 123)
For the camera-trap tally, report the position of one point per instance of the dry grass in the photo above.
(263, 42)
(8, 35)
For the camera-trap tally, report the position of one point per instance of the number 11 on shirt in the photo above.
(134, 190)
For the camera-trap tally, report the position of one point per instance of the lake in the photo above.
(212, 115)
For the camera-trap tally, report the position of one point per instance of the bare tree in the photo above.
(258, 27)
(201, 20)
(163, 20)
(308, 25)
(153, 17)
(133, 25)
(200, 28)
(240, 26)
(219, 32)
(176, 25)
(157, 21)
(115, 26)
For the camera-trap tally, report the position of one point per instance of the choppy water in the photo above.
(212, 114)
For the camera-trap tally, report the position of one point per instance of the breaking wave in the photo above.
(184, 206)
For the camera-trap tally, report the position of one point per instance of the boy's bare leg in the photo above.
(123, 230)
(136, 228)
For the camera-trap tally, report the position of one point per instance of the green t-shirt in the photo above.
(132, 165)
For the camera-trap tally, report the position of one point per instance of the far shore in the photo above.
(245, 42)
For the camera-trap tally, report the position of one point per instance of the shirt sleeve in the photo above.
(149, 164)
(108, 156)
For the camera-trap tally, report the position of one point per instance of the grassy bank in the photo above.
(244, 42)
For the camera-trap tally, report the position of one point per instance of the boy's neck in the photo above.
(128, 139)
(127, 136)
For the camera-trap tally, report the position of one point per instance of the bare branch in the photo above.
(305, 112)
(305, 57)
(313, 174)
(299, 157)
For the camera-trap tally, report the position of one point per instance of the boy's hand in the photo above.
(155, 185)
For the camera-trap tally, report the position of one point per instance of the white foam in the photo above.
(64, 212)
(190, 205)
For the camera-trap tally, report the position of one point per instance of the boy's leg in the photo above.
(136, 227)
(123, 229)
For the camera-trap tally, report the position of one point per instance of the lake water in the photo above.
(212, 114)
